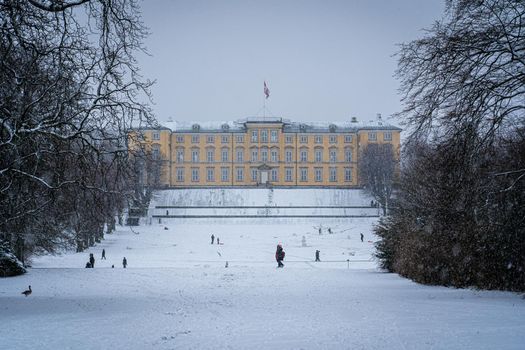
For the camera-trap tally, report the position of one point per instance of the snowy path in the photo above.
(176, 294)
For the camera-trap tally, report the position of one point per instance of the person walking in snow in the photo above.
(319, 230)
(362, 236)
(212, 238)
(330, 230)
(103, 254)
(279, 255)
(91, 259)
(317, 255)
(124, 262)
(218, 242)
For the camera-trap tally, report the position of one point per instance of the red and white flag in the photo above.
(266, 90)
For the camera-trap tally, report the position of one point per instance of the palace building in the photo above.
(264, 151)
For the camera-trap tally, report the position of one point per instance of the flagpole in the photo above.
(264, 102)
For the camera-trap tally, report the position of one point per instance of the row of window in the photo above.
(265, 155)
(274, 175)
(318, 139)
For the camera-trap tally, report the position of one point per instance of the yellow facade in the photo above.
(265, 152)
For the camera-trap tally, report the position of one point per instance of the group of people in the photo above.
(91, 262)
(213, 239)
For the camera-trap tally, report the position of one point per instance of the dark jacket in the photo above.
(279, 254)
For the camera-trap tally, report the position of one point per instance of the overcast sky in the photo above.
(322, 60)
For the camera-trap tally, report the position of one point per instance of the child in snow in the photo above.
(212, 238)
(92, 260)
(103, 254)
(124, 262)
(279, 255)
(362, 236)
(317, 255)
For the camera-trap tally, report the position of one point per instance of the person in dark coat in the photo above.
(92, 260)
(362, 236)
(218, 242)
(124, 262)
(279, 255)
(103, 254)
(330, 230)
(212, 238)
(317, 255)
(319, 230)
(88, 265)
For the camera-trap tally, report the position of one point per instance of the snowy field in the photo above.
(177, 294)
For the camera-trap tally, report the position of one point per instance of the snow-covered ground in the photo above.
(177, 294)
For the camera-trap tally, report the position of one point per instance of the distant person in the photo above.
(88, 265)
(319, 230)
(362, 236)
(372, 204)
(330, 230)
(218, 242)
(92, 259)
(112, 266)
(103, 254)
(124, 262)
(212, 238)
(279, 255)
(317, 252)
(167, 213)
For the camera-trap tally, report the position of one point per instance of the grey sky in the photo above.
(322, 60)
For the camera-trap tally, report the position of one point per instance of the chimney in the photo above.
(378, 116)
(354, 120)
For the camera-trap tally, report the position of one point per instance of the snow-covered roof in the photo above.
(288, 126)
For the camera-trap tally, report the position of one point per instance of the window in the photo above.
(255, 154)
(210, 139)
(156, 135)
(304, 174)
(254, 174)
(225, 172)
(333, 174)
(387, 136)
(288, 155)
(240, 155)
(224, 155)
(155, 150)
(318, 174)
(288, 139)
(304, 155)
(225, 138)
(195, 155)
(303, 139)
(210, 174)
(318, 155)
(180, 155)
(179, 138)
(264, 135)
(180, 174)
(275, 156)
(195, 138)
(195, 174)
(288, 174)
(318, 139)
(348, 155)
(264, 155)
(210, 156)
(274, 175)
(239, 138)
(348, 174)
(333, 139)
(348, 138)
(273, 136)
(333, 155)
(254, 135)
(240, 174)
(372, 136)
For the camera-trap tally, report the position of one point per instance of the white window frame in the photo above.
(225, 172)
(348, 174)
(318, 174)
(224, 154)
(273, 136)
(288, 172)
(210, 174)
(274, 175)
(372, 136)
(255, 135)
(180, 174)
(348, 138)
(387, 136)
(240, 174)
(303, 174)
(195, 138)
(264, 136)
(333, 174)
(194, 174)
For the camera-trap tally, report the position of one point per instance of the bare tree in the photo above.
(71, 89)
(468, 69)
(377, 170)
